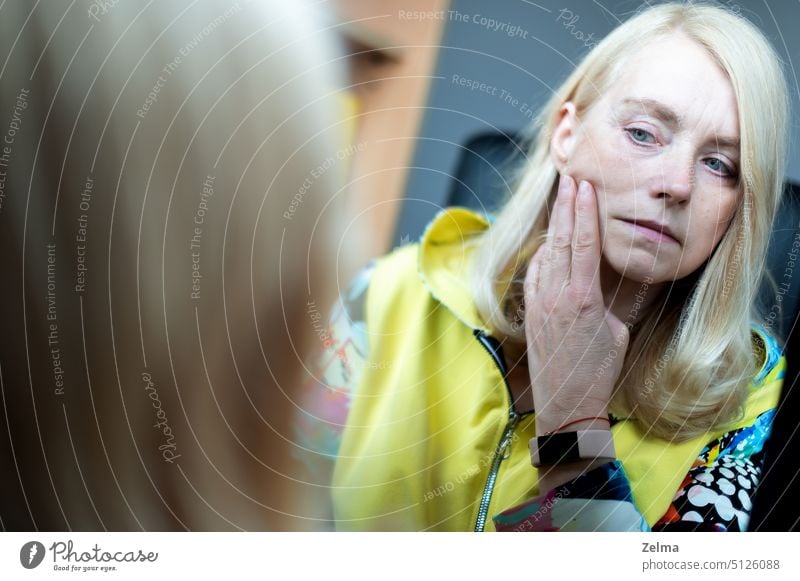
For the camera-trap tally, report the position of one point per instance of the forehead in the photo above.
(679, 73)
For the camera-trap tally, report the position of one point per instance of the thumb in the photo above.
(619, 330)
(531, 284)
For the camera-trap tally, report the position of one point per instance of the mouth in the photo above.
(653, 230)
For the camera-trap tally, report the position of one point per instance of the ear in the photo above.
(564, 136)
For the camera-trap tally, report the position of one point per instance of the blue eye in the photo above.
(717, 165)
(639, 135)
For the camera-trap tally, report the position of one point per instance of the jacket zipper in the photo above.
(505, 440)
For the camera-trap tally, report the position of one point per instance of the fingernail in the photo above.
(583, 189)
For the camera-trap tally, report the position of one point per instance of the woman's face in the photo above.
(661, 150)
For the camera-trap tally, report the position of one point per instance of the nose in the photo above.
(677, 177)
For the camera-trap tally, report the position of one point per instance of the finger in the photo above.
(559, 235)
(530, 290)
(532, 274)
(619, 330)
(584, 273)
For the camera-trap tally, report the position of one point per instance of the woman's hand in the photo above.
(575, 345)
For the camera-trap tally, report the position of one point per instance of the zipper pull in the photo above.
(505, 448)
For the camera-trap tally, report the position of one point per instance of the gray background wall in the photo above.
(521, 58)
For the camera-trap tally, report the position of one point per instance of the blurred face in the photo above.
(661, 150)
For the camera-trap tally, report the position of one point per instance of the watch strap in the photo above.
(563, 447)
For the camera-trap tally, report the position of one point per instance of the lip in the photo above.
(653, 230)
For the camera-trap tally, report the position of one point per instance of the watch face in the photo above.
(558, 448)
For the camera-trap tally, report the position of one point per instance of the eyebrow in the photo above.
(671, 118)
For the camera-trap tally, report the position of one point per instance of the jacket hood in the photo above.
(444, 261)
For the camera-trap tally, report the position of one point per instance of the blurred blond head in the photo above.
(171, 205)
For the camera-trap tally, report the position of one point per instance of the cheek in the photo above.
(602, 213)
(723, 212)
(602, 159)
(600, 162)
(707, 229)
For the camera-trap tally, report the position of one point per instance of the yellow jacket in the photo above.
(432, 441)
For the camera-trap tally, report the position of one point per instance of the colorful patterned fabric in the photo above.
(717, 493)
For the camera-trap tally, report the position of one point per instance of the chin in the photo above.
(639, 269)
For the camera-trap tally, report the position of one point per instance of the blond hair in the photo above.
(695, 345)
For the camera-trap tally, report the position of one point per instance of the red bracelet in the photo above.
(551, 432)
